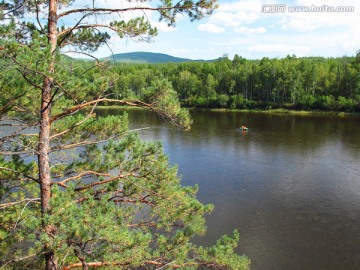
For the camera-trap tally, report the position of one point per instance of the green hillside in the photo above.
(145, 57)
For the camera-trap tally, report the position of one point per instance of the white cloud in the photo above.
(310, 21)
(212, 28)
(236, 14)
(280, 48)
(246, 12)
(248, 30)
(325, 2)
(163, 27)
(250, 5)
(234, 19)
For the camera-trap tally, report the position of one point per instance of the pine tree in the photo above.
(81, 191)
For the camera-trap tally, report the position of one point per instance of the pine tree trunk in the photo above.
(44, 167)
(44, 136)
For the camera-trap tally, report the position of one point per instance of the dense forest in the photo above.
(291, 82)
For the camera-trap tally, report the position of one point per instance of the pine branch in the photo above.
(156, 263)
(85, 265)
(136, 103)
(23, 146)
(94, 11)
(55, 82)
(14, 134)
(93, 264)
(62, 183)
(70, 30)
(11, 153)
(87, 54)
(11, 101)
(11, 125)
(15, 8)
(142, 224)
(97, 192)
(130, 33)
(80, 144)
(18, 173)
(38, 19)
(5, 205)
(90, 114)
(133, 201)
(106, 181)
(21, 259)
(25, 76)
(13, 58)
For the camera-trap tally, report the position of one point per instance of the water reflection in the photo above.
(290, 185)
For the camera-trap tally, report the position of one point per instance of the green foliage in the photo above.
(345, 104)
(165, 100)
(78, 190)
(306, 83)
(86, 39)
(20, 216)
(239, 102)
(223, 100)
(306, 102)
(325, 102)
(127, 216)
(222, 252)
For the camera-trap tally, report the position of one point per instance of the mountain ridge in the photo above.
(147, 57)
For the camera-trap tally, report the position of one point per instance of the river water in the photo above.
(290, 184)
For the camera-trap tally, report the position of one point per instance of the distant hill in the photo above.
(146, 57)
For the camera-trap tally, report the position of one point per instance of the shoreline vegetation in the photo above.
(300, 85)
(268, 111)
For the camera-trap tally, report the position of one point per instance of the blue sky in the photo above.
(240, 27)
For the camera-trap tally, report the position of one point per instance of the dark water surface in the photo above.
(290, 184)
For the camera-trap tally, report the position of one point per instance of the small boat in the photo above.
(243, 128)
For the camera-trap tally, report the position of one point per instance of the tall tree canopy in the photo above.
(81, 191)
(300, 83)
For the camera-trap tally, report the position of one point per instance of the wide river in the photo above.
(290, 184)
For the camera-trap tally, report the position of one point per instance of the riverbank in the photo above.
(285, 111)
(268, 111)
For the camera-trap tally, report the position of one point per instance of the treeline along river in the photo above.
(291, 82)
(290, 184)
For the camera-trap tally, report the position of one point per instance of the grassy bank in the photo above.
(280, 111)
(269, 111)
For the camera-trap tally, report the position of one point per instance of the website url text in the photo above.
(280, 8)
